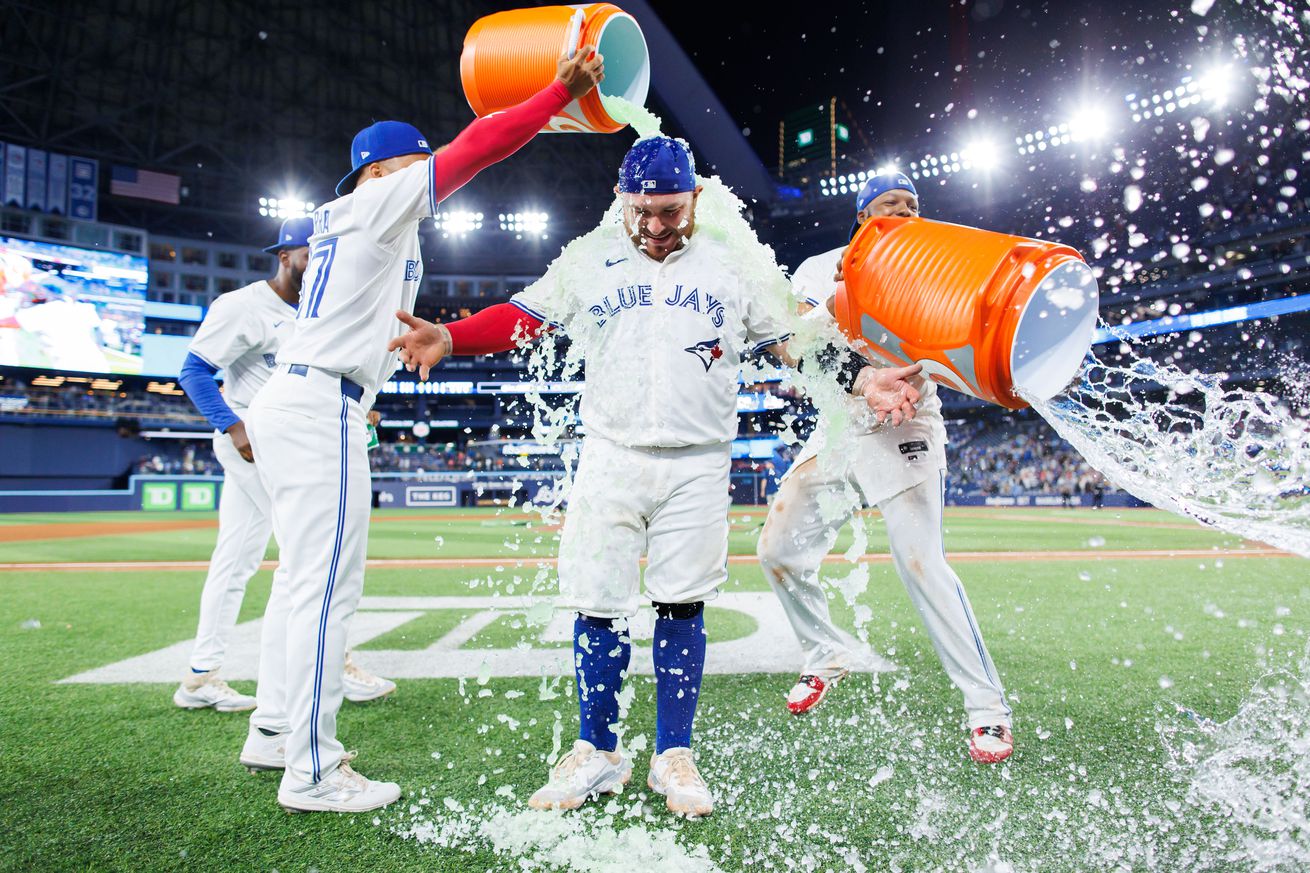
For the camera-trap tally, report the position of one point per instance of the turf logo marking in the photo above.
(770, 648)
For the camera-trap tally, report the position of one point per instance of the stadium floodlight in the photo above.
(458, 222)
(980, 154)
(889, 167)
(530, 223)
(285, 207)
(1215, 84)
(1092, 122)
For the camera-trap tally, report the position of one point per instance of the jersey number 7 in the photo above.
(320, 266)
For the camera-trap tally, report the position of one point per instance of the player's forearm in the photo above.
(197, 380)
(495, 329)
(782, 353)
(494, 138)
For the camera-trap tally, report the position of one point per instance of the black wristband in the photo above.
(849, 370)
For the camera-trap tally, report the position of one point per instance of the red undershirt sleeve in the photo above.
(494, 329)
(494, 138)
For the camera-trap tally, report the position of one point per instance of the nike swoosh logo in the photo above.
(277, 324)
(610, 263)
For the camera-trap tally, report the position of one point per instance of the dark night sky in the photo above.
(898, 66)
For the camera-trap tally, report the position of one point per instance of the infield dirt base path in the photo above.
(76, 530)
(458, 563)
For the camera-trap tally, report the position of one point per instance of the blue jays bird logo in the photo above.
(706, 351)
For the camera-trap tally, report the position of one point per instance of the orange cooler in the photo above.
(511, 55)
(986, 313)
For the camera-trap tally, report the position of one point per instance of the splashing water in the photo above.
(721, 216)
(1253, 771)
(1233, 459)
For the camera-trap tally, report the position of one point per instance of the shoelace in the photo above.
(566, 767)
(355, 672)
(684, 768)
(352, 778)
(223, 688)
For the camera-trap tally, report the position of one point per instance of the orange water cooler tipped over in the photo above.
(511, 55)
(986, 313)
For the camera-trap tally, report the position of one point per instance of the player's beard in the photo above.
(665, 246)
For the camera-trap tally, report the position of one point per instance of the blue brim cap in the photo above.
(378, 142)
(657, 165)
(295, 233)
(876, 187)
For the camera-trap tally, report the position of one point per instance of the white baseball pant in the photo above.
(245, 522)
(670, 504)
(795, 539)
(310, 442)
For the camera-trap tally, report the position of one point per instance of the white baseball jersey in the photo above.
(813, 283)
(240, 336)
(364, 264)
(663, 341)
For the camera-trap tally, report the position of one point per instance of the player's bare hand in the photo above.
(422, 346)
(241, 441)
(891, 392)
(584, 71)
(837, 274)
(374, 417)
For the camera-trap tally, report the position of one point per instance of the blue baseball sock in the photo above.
(600, 660)
(679, 662)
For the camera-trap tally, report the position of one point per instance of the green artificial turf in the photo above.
(1097, 655)
(517, 535)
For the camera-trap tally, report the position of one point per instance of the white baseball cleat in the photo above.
(264, 752)
(342, 790)
(810, 690)
(202, 690)
(580, 775)
(362, 686)
(674, 775)
(991, 744)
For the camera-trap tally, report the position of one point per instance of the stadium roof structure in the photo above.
(246, 99)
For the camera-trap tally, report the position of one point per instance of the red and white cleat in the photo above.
(809, 691)
(991, 744)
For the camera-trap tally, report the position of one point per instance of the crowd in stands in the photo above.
(77, 400)
(179, 458)
(983, 457)
(1032, 461)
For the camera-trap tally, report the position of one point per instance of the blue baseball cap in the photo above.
(294, 234)
(877, 186)
(379, 141)
(657, 165)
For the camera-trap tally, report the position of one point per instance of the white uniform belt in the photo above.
(350, 389)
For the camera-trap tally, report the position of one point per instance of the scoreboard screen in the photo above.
(69, 308)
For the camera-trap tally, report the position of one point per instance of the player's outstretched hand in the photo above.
(422, 346)
(584, 71)
(891, 392)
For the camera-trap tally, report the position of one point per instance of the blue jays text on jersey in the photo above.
(634, 296)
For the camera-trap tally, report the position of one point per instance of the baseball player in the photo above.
(307, 425)
(902, 471)
(665, 321)
(240, 336)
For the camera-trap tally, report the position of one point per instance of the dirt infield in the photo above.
(457, 563)
(76, 530)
